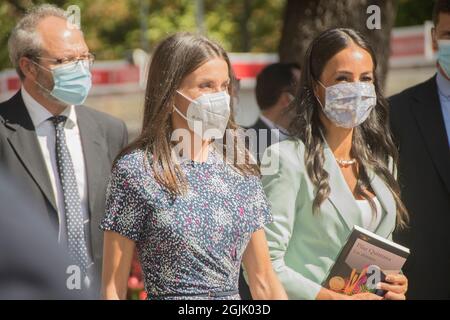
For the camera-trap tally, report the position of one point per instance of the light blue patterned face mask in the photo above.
(349, 104)
(72, 82)
(444, 56)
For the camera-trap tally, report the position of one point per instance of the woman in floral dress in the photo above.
(192, 210)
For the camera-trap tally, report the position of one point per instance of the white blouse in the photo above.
(369, 221)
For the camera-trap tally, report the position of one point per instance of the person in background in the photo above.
(420, 119)
(337, 170)
(62, 150)
(32, 265)
(275, 88)
(193, 213)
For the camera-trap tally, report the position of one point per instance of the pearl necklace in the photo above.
(346, 163)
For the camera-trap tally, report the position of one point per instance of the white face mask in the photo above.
(349, 104)
(208, 115)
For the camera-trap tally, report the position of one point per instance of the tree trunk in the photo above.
(305, 19)
(244, 27)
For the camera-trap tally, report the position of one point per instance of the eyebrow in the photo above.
(212, 80)
(71, 54)
(351, 73)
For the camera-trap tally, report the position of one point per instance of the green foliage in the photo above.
(413, 12)
(6, 24)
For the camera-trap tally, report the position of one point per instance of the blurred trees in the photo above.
(413, 12)
(112, 27)
(304, 19)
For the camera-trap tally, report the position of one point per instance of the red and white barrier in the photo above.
(412, 46)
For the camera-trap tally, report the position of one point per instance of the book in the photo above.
(363, 262)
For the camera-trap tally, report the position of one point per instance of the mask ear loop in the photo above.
(322, 106)
(184, 96)
(317, 98)
(178, 110)
(40, 85)
(42, 67)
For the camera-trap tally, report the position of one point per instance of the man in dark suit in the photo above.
(275, 89)
(420, 122)
(62, 150)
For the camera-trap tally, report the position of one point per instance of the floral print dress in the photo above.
(189, 246)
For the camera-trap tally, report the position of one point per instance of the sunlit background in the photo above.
(114, 29)
(123, 33)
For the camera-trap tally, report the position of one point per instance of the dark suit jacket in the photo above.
(244, 290)
(424, 176)
(102, 138)
(32, 265)
(260, 144)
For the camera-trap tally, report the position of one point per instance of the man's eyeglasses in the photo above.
(90, 57)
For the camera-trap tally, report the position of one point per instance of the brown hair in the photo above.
(272, 81)
(441, 6)
(372, 144)
(176, 57)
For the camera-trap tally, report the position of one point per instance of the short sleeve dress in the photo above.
(189, 246)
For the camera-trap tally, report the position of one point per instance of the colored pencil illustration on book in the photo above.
(356, 283)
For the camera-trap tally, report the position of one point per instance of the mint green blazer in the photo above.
(303, 245)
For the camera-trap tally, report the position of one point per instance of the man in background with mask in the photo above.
(420, 118)
(62, 150)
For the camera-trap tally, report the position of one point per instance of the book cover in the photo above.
(364, 261)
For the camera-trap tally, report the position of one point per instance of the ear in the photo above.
(319, 92)
(178, 101)
(434, 39)
(28, 68)
(316, 88)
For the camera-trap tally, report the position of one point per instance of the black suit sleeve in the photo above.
(32, 265)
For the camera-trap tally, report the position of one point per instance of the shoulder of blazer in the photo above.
(7, 106)
(99, 117)
(290, 153)
(13, 111)
(259, 124)
(400, 101)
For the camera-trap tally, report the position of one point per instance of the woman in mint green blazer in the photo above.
(335, 172)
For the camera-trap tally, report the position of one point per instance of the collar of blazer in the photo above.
(343, 200)
(22, 138)
(426, 108)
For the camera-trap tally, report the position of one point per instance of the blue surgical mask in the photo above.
(444, 56)
(72, 82)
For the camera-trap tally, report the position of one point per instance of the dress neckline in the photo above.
(214, 157)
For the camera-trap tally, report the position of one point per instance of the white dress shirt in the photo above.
(280, 133)
(46, 135)
(444, 96)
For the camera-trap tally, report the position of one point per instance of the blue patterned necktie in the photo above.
(72, 202)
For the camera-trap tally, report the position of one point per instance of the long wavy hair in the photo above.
(372, 143)
(176, 57)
